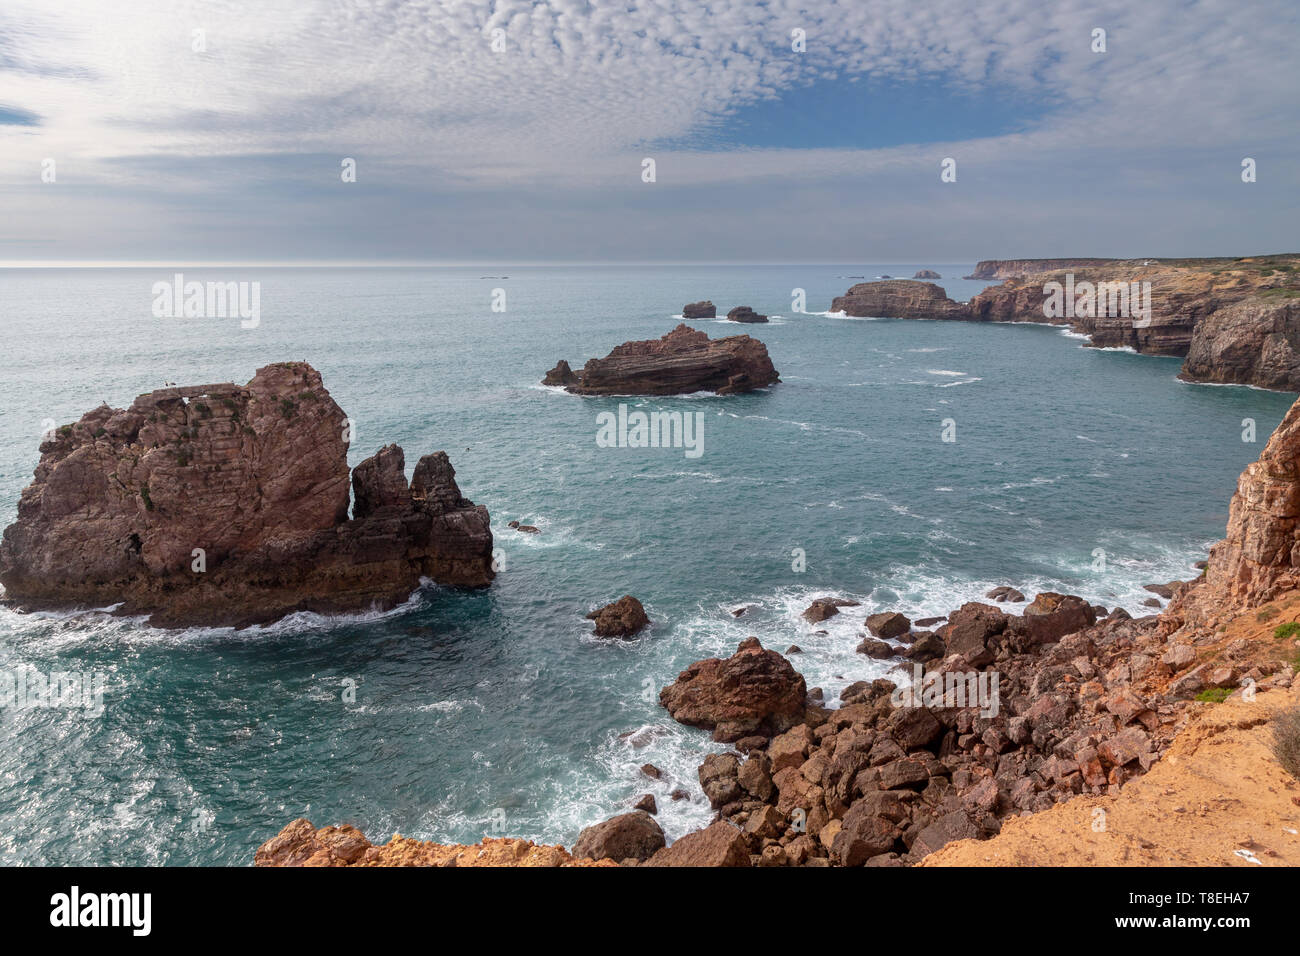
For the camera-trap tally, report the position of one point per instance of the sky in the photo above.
(518, 131)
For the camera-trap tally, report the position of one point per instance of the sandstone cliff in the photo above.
(228, 505)
(1006, 268)
(1260, 556)
(1237, 321)
(683, 361)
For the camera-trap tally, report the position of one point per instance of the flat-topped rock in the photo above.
(899, 299)
(700, 310)
(683, 361)
(743, 313)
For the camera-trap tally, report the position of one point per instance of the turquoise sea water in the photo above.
(496, 712)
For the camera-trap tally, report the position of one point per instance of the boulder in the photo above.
(623, 618)
(561, 375)
(743, 313)
(720, 844)
(969, 631)
(719, 777)
(825, 607)
(633, 835)
(888, 625)
(753, 691)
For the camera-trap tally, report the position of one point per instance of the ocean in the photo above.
(496, 712)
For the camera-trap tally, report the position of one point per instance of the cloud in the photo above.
(133, 99)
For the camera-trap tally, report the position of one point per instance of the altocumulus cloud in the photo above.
(466, 151)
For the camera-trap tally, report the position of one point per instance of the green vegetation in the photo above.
(144, 496)
(288, 408)
(1283, 631)
(1214, 695)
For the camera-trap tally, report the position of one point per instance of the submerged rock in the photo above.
(228, 505)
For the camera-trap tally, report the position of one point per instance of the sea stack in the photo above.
(228, 505)
(743, 313)
(683, 361)
(899, 299)
(700, 310)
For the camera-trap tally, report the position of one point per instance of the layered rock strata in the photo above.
(683, 361)
(228, 505)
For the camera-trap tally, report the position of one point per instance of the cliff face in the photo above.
(1255, 341)
(1006, 268)
(1237, 321)
(1260, 556)
(221, 504)
(683, 361)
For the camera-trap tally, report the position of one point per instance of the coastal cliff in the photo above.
(683, 361)
(1235, 321)
(228, 505)
(1014, 726)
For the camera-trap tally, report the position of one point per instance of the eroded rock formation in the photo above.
(700, 310)
(1237, 321)
(228, 505)
(899, 299)
(683, 361)
(1260, 556)
(743, 313)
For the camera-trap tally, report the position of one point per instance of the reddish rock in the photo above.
(700, 310)
(969, 630)
(825, 607)
(633, 836)
(720, 844)
(561, 375)
(743, 313)
(255, 478)
(888, 625)
(754, 690)
(623, 618)
(685, 360)
(899, 299)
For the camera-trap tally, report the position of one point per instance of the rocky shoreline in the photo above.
(1234, 321)
(226, 505)
(1003, 715)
